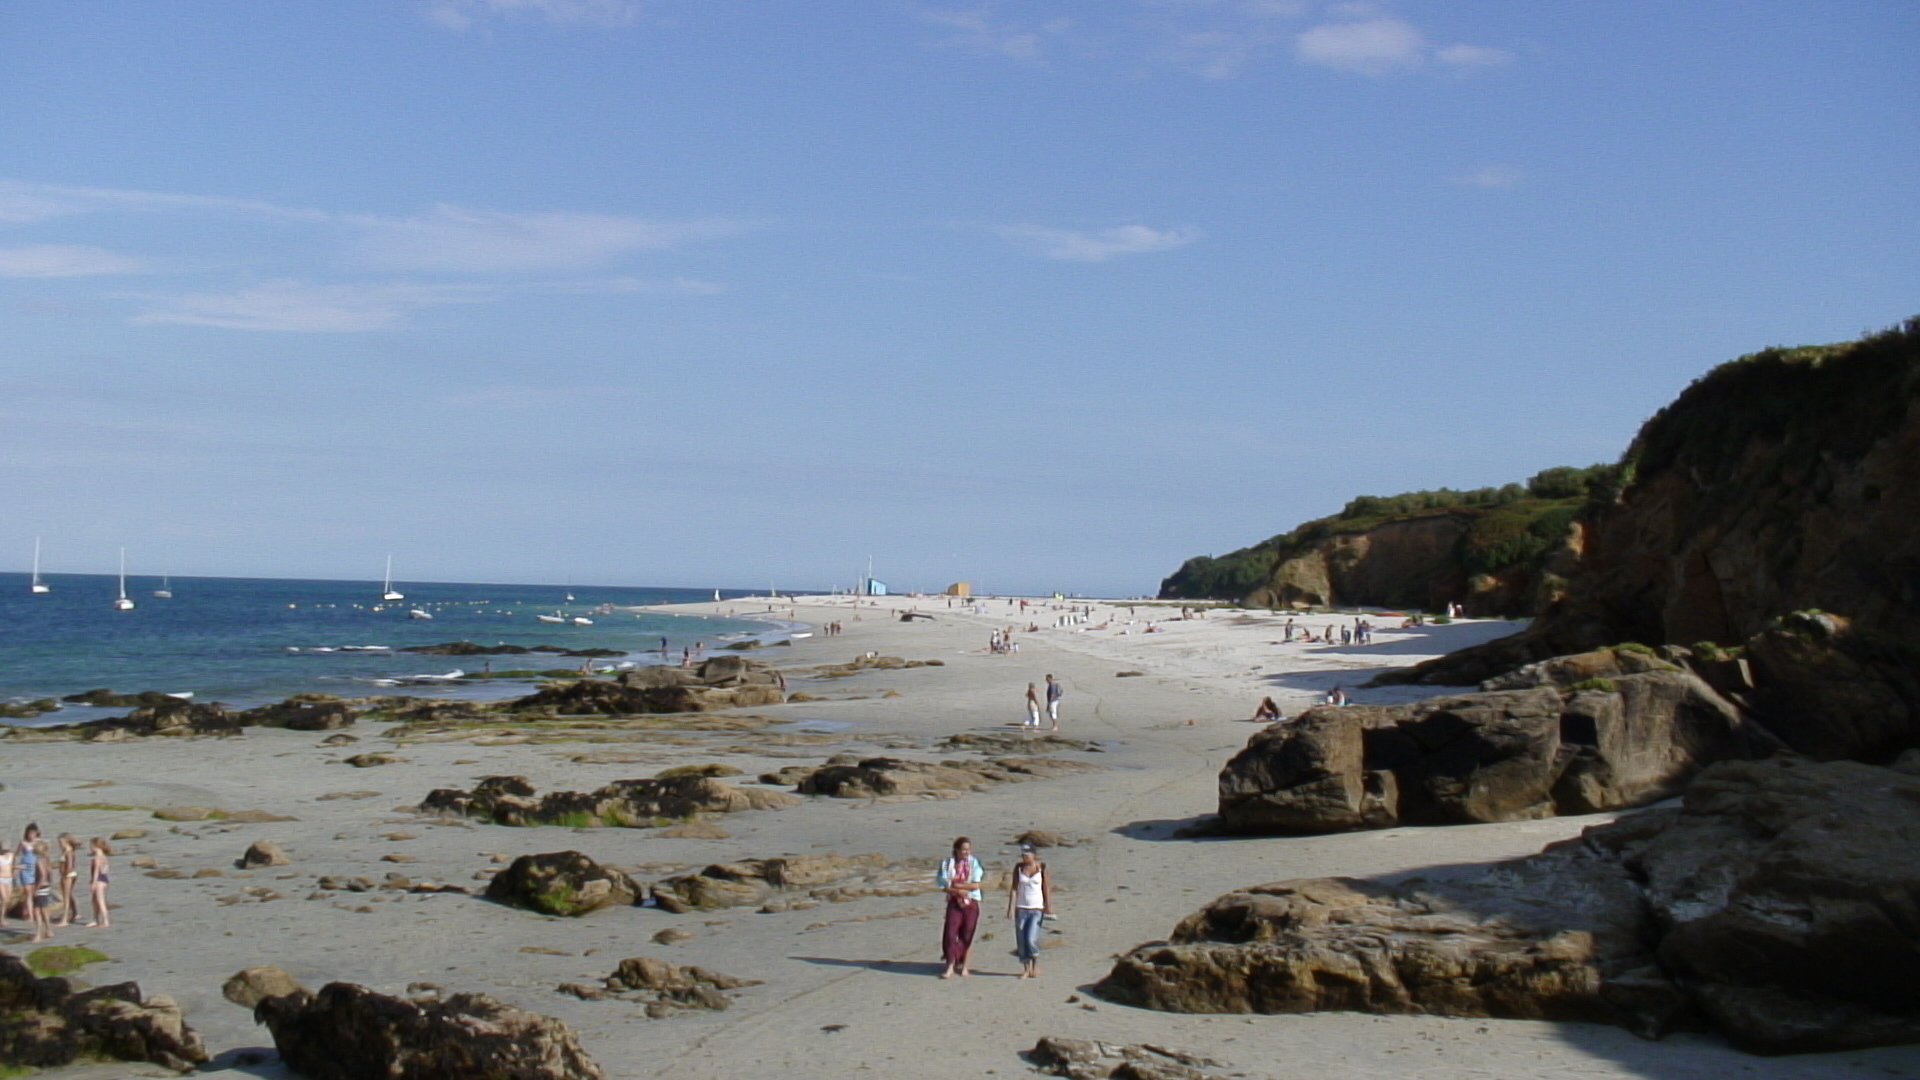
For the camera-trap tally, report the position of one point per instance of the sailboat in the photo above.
(123, 604)
(38, 586)
(387, 591)
(165, 591)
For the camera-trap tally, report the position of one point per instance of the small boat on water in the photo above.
(416, 613)
(165, 591)
(123, 603)
(38, 586)
(582, 620)
(387, 591)
(555, 617)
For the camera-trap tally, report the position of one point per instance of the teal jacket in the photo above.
(944, 877)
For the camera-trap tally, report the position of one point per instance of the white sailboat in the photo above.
(38, 586)
(123, 604)
(387, 591)
(165, 591)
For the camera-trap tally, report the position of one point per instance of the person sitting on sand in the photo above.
(1029, 900)
(959, 877)
(1268, 712)
(97, 878)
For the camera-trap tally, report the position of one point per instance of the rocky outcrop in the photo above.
(348, 1032)
(663, 987)
(724, 682)
(1601, 731)
(1780, 906)
(883, 776)
(510, 800)
(262, 853)
(1090, 1059)
(54, 1021)
(562, 883)
(831, 877)
(1781, 482)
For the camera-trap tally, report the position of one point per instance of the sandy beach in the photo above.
(848, 989)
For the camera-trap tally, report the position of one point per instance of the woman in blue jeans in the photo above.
(1029, 900)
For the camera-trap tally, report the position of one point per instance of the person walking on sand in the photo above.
(1029, 900)
(1033, 707)
(959, 877)
(97, 878)
(1055, 691)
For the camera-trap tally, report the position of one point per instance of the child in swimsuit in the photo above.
(69, 876)
(97, 886)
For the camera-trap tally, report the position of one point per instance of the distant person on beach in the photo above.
(1029, 901)
(26, 868)
(1055, 692)
(97, 878)
(1033, 706)
(959, 876)
(1268, 711)
(68, 876)
(42, 891)
(6, 881)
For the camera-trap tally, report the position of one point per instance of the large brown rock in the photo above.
(1780, 904)
(1785, 481)
(562, 883)
(46, 1023)
(510, 800)
(1577, 735)
(348, 1032)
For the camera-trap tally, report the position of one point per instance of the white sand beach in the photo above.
(848, 989)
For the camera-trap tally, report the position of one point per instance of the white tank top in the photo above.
(1026, 890)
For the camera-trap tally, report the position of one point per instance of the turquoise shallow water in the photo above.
(247, 641)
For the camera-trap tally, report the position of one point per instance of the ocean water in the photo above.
(249, 641)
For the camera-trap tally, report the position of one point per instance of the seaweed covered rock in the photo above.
(49, 1022)
(562, 883)
(1779, 905)
(829, 877)
(510, 800)
(1577, 735)
(348, 1032)
(884, 776)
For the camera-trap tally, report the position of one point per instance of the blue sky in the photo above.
(1041, 295)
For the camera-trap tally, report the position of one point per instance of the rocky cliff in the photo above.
(1784, 481)
(1496, 551)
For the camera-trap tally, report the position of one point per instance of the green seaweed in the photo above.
(60, 959)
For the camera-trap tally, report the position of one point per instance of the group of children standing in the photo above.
(32, 881)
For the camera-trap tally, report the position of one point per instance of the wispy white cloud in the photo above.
(1095, 245)
(1492, 176)
(64, 260)
(489, 241)
(22, 202)
(299, 306)
(463, 14)
(983, 31)
(1366, 43)
(1472, 56)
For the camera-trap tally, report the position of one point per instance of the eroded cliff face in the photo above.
(1781, 482)
(1413, 562)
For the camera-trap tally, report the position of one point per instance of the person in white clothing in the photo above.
(1029, 900)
